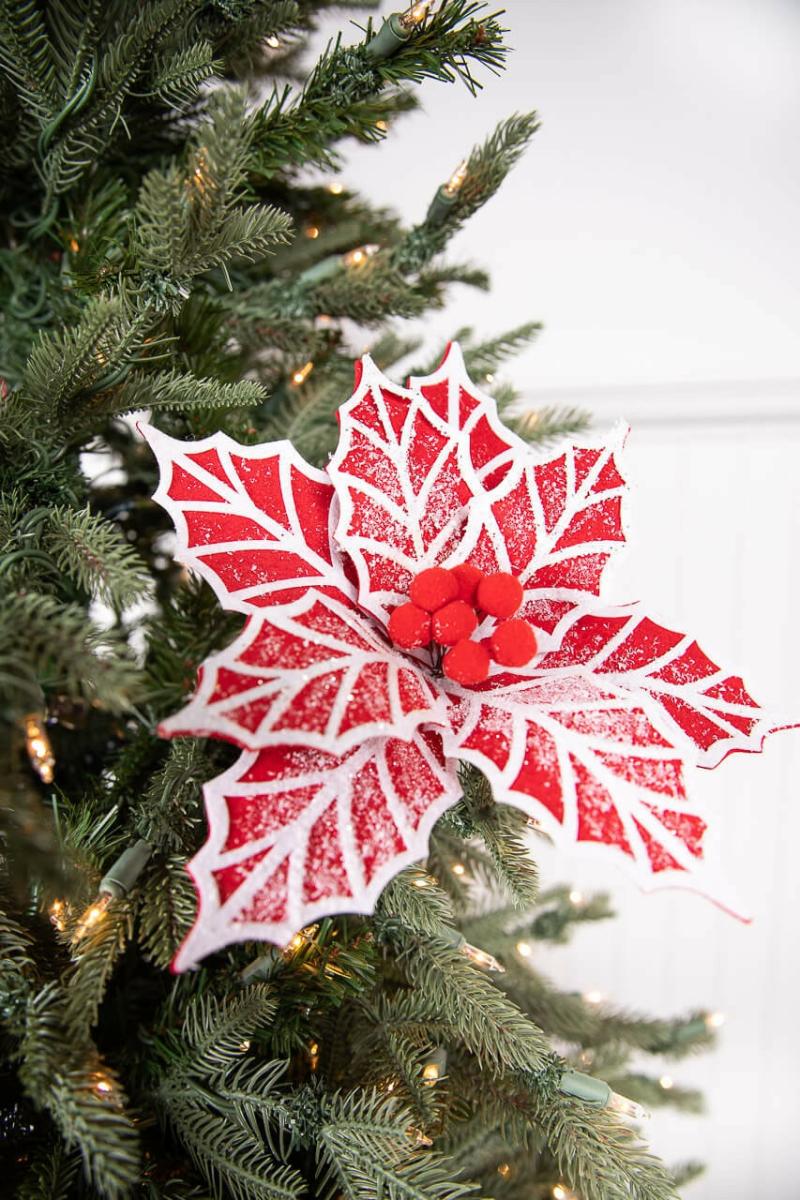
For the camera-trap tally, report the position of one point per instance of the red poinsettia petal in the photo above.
(408, 464)
(585, 759)
(254, 521)
(312, 673)
(491, 448)
(554, 524)
(708, 712)
(296, 834)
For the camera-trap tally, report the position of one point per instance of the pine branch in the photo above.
(484, 358)
(214, 1031)
(572, 1019)
(103, 95)
(543, 425)
(191, 220)
(486, 168)
(96, 556)
(177, 77)
(53, 1176)
(338, 100)
(82, 1094)
(168, 908)
(17, 969)
(65, 364)
(488, 1024)
(363, 1147)
(95, 955)
(412, 901)
(597, 1155)
(56, 644)
(232, 1159)
(176, 390)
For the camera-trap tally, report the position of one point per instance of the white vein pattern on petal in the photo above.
(520, 705)
(452, 369)
(647, 690)
(235, 501)
(578, 500)
(217, 926)
(456, 440)
(206, 716)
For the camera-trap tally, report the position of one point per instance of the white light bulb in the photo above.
(627, 1108)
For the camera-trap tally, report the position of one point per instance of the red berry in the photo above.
(499, 595)
(410, 626)
(453, 622)
(468, 579)
(467, 663)
(512, 643)
(433, 588)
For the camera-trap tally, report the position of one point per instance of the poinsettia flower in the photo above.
(432, 598)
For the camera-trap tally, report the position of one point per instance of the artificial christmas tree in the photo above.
(165, 248)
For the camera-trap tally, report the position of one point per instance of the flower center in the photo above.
(446, 606)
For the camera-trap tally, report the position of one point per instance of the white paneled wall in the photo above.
(653, 227)
(715, 530)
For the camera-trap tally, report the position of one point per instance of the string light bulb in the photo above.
(559, 1192)
(482, 958)
(300, 939)
(446, 195)
(360, 255)
(504, 1170)
(313, 1055)
(302, 373)
(330, 266)
(715, 1020)
(576, 898)
(273, 41)
(335, 188)
(116, 883)
(458, 869)
(396, 31)
(415, 14)
(524, 949)
(627, 1108)
(312, 232)
(666, 1082)
(199, 177)
(593, 997)
(599, 1094)
(435, 1067)
(92, 916)
(57, 914)
(456, 180)
(37, 745)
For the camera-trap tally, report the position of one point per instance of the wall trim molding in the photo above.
(680, 403)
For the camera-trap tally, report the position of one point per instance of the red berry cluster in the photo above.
(443, 608)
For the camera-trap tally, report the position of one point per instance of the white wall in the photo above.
(653, 227)
(717, 514)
